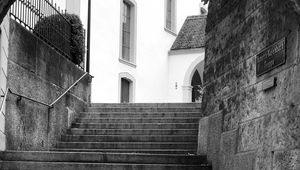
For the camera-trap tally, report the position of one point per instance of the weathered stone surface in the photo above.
(249, 135)
(287, 160)
(22, 47)
(228, 147)
(202, 136)
(27, 129)
(229, 142)
(244, 161)
(60, 117)
(214, 131)
(236, 31)
(227, 162)
(274, 131)
(37, 71)
(31, 85)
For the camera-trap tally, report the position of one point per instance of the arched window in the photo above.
(127, 88)
(196, 87)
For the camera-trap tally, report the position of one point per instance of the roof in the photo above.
(192, 33)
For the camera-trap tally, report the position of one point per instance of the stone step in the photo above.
(143, 109)
(98, 157)
(21, 165)
(131, 138)
(141, 120)
(186, 152)
(128, 145)
(76, 131)
(136, 115)
(135, 125)
(112, 105)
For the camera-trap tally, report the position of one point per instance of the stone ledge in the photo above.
(215, 124)
(203, 136)
(229, 142)
(287, 160)
(244, 161)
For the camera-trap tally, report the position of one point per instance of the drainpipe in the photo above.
(88, 38)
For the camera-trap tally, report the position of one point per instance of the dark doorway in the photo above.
(125, 90)
(196, 84)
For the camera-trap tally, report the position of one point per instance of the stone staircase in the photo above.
(122, 137)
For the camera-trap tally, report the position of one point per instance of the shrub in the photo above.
(199, 93)
(51, 28)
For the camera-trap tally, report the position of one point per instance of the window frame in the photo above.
(131, 79)
(173, 19)
(132, 44)
(126, 32)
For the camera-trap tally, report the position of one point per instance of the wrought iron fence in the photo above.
(38, 17)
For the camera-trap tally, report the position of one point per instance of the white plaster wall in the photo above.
(4, 39)
(105, 35)
(84, 12)
(181, 69)
(153, 43)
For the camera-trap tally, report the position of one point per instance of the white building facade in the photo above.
(131, 59)
(186, 61)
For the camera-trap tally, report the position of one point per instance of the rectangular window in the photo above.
(125, 91)
(170, 15)
(126, 32)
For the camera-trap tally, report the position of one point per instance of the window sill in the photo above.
(170, 32)
(127, 63)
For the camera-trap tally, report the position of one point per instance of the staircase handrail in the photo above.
(68, 89)
(28, 98)
(8, 90)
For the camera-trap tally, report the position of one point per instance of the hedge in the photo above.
(50, 28)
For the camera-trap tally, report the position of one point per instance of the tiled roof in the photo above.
(192, 33)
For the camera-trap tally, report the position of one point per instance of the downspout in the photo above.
(88, 38)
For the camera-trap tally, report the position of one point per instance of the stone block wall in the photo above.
(258, 128)
(4, 36)
(36, 70)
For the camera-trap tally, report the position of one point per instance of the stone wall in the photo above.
(249, 127)
(4, 36)
(36, 70)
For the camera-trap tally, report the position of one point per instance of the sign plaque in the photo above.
(271, 57)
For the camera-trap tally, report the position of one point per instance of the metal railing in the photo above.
(46, 20)
(28, 98)
(36, 101)
(68, 89)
